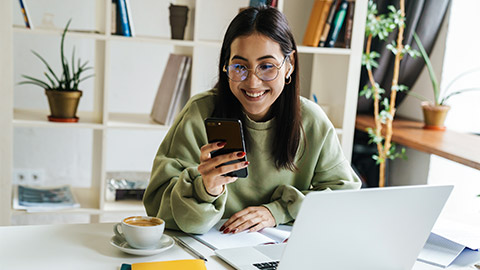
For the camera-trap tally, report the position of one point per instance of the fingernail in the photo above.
(222, 228)
(235, 231)
(246, 163)
(241, 154)
(227, 230)
(220, 144)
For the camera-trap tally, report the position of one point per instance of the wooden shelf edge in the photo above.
(449, 144)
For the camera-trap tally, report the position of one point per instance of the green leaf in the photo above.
(400, 87)
(35, 81)
(53, 85)
(46, 64)
(367, 92)
(444, 100)
(431, 72)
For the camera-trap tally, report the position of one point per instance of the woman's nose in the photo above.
(252, 80)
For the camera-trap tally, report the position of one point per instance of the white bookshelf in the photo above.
(332, 74)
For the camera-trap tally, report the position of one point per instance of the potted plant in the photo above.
(62, 91)
(435, 112)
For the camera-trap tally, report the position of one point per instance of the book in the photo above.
(123, 18)
(316, 23)
(257, 3)
(181, 96)
(170, 89)
(215, 239)
(129, 16)
(113, 26)
(35, 199)
(328, 23)
(26, 17)
(349, 24)
(337, 24)
(191, 264)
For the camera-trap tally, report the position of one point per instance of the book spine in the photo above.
(349, 24)
(26, 18)
(129, 16)
(328, 23)
(257, 3)
(337, 24)
(122, 13)
(312, 34)
(113, 26)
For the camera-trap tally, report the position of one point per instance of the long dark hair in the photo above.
(271, 23)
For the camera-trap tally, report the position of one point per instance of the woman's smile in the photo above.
(254, 95)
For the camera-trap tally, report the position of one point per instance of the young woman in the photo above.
(292, 147)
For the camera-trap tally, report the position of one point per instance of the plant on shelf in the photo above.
(435, 112)
(380, 26)
(62, 91)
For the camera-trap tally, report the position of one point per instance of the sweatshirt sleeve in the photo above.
(176, 192)
(331, 171)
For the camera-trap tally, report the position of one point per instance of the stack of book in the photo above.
(34, 199)
(171, 91)
(330, 24)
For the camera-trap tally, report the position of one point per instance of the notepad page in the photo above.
(440, 251)
(463, 234)
(216, 239)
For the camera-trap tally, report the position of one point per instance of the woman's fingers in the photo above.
(208, 148)
(214, 170)
(251, 218)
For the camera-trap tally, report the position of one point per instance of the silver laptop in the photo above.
(377, 228)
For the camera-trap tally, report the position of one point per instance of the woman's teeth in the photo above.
(255, 94)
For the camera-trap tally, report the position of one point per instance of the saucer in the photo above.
(165, 243)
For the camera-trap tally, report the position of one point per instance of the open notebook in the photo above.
(215, 239)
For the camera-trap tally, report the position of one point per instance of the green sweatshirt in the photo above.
(176, 192)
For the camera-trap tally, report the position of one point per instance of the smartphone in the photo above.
(229, 131)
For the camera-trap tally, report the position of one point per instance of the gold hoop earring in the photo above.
(289, 80)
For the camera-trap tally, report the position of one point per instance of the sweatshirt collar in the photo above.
(258, 125)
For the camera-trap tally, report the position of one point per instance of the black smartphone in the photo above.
(229, 131)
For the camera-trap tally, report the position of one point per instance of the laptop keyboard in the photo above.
(267, 265)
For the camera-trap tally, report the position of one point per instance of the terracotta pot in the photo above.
(434, 116)
(63, 105)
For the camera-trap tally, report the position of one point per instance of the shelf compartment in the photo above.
(38, 118)
(322, 50)
(123, 206)
(133, 121)
(58, 32)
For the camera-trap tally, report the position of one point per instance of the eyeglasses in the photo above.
(265, 71)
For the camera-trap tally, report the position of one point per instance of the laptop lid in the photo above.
(376, 228)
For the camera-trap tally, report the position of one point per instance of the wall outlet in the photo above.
(33, 177)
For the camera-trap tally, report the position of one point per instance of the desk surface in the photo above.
(87, 246)
(459, 147)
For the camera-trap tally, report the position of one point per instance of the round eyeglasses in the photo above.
(265, 71)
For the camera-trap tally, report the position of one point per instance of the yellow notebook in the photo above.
(171, 265)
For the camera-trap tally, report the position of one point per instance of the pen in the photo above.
(189, 248)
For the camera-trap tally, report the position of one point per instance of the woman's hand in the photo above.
(211, 171)
(252, 218)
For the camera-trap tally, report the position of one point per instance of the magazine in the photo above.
(44, 198)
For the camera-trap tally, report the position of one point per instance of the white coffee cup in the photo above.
(141, 232)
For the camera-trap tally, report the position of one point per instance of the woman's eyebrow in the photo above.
(258, 59)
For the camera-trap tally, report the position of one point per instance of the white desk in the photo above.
(87, 246)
